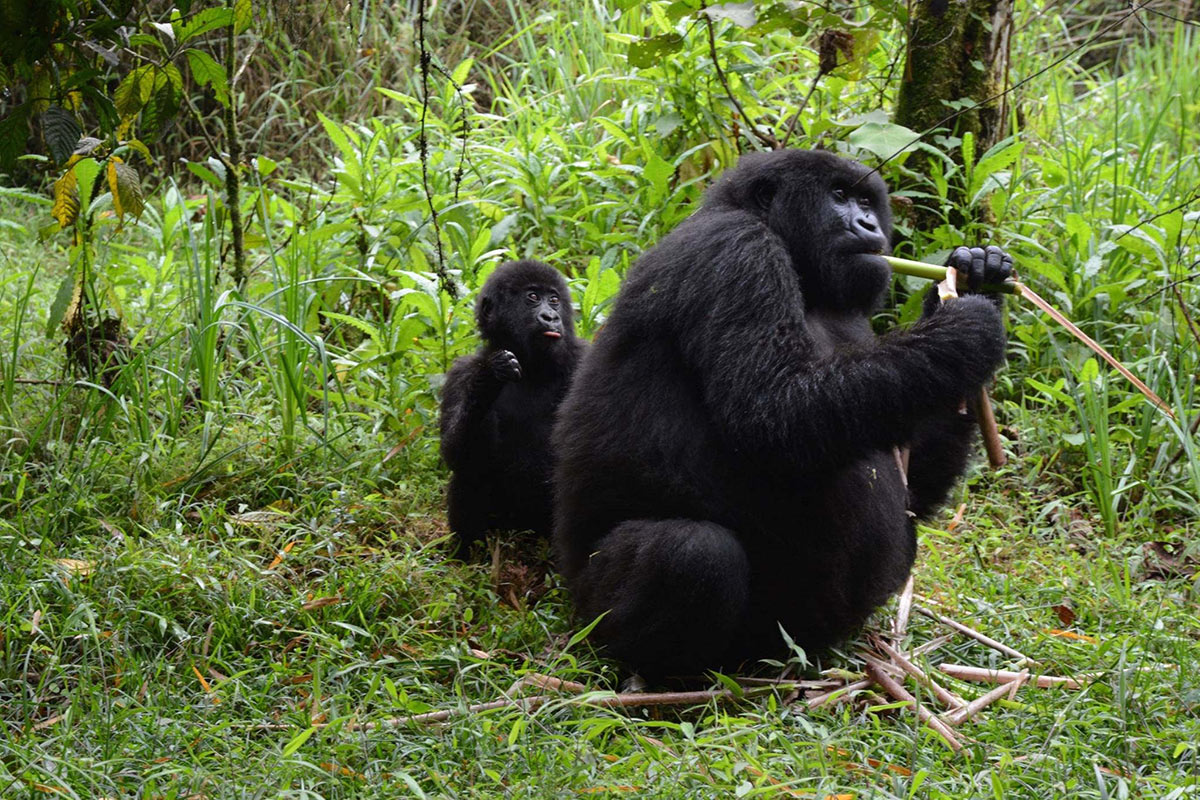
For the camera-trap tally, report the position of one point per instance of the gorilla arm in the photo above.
(472, 386)
(744, 333)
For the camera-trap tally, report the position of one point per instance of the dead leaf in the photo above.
(1066, 614)
(287, 548)
(321, 602)
(260, 519)
(1079, 637)
(76, 567)
(1163, 560)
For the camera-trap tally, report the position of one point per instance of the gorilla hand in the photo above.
(505, 367)
(982, 266)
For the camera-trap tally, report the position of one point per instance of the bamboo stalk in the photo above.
(919, 269)
(1005, 676)
(961, 715)
(974, 634)
(878, 670)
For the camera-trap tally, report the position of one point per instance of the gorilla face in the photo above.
(524, 308)
(835, 219)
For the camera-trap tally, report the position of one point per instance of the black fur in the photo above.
(498, 404)
(725, 455)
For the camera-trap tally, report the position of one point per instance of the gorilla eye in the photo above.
(865, 202)
(553, 299)
(533, 297)
(839, 195)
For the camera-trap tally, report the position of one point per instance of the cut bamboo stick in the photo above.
(947, 698)
(1006, 676)
(961, 715)
(974, 634)
(878, 671)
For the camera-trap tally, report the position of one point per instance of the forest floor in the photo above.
(234, 626)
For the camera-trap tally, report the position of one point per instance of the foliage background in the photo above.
(220, 500)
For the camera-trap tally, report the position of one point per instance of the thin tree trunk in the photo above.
(958, 51)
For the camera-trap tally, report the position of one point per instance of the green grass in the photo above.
(242, 535)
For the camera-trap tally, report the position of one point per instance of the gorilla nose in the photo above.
(866, 224)
(549, 318)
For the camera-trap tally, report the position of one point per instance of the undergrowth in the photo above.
(237, 533)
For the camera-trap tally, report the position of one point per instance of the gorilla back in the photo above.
(725, 456)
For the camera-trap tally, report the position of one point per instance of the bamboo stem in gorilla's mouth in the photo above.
(919, 269)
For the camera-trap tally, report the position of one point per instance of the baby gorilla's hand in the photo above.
(505, 366)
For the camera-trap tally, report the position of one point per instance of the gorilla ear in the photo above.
(760, 194)
(483, 312)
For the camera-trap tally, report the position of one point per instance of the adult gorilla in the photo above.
(726, 455)
(498, 404)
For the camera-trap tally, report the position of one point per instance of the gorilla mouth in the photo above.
(552, 334)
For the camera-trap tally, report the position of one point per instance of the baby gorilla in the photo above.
(498, 404)
(727, 456)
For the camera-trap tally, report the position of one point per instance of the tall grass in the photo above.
(241, 536)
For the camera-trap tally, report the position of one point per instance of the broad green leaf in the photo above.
(146, 40)
(138, 146)
(1139, 242)
(59, 307)
(1055, 392)
(13, 133)
(658, 172)
(336, 133)
(994, 161)
(459, 76)
(205, 174)
(243, 16)
(1090, 371)
(884, 139)
(133, 92)
(206, 71)
(86, 172)
(207, 20)
(649, 51)
(1079, 230)
(354, 322)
